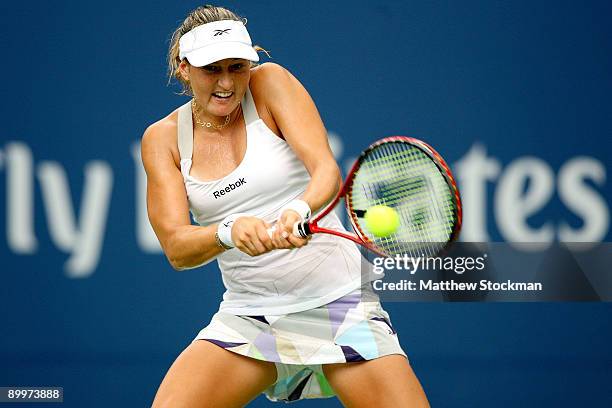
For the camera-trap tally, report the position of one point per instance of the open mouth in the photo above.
(223, 95)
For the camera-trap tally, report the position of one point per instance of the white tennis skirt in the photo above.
(352, 328)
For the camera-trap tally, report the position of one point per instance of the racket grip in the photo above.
(300, 229)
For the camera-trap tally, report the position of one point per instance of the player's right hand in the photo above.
(250, 235)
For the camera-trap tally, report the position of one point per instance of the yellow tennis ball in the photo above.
(381, 220)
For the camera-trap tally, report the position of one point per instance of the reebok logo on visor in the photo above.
(221, 32)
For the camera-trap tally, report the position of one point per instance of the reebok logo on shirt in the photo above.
(230, 187)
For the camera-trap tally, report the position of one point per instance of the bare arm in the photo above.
(185, 245)
(298, 120)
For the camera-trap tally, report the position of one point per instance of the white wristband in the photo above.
(224, 229)
(299, 206)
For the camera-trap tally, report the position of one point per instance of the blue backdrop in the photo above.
(516, 97)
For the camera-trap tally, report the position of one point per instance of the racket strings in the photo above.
(413, 212)
(419, 215)
(403, 177)
(421, 221)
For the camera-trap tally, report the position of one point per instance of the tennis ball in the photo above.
(381, 220)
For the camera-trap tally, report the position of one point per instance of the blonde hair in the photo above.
(201, 15)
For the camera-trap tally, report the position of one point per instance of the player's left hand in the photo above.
(283, 237)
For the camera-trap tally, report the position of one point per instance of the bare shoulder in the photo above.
(160, 137)
(267, 71)
(160, 132)
(267, 79)
(273, 87)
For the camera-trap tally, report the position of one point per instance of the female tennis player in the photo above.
(248, 152)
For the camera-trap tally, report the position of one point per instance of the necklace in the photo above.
(208, 124)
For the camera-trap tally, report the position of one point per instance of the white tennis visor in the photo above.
(215, 41)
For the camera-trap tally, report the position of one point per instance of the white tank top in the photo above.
(269, 176)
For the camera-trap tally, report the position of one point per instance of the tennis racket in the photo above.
(409, 176)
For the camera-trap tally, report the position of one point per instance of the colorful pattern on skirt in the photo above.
(350, 329)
